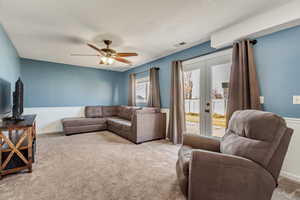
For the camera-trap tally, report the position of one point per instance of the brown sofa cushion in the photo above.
(84, 129)
(73, 122)
(109, 111)
(120, 126)
(254, 135)
(119, 122)
(93, 111)
(127, 112)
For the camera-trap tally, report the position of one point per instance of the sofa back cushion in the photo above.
(254, 134)
(93, 111)
(109, 111)
(127, 112)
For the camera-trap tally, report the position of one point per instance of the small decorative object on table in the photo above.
(17, 145)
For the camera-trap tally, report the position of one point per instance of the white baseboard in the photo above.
(291, 165)
(166, 110)
(49, 118)
(290, 176)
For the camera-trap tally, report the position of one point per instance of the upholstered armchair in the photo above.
(243, 165)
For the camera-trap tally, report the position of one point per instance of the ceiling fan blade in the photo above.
(123, 60)
(93, 47)
(76, 54)
(96, 48)
(126, 54)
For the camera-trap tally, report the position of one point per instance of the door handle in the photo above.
(207, 109)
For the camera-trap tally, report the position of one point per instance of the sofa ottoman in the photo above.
(82, 125)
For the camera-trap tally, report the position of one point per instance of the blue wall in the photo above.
(51, 84)
(278, 67)
(9, 59)
(278, 64)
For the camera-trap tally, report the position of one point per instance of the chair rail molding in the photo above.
(49, 118)
(291, 165)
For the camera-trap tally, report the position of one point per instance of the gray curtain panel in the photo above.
(131, 90)
(243, 84)
(177, 113)
(154, 92)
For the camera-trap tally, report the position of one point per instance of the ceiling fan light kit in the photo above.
(106, 60)
(108, 55)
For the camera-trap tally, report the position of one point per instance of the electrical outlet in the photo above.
(296, 99)
(262, 99)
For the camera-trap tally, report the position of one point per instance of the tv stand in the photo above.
(17, 139)
(13, 119)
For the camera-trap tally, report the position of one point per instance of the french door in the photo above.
(206, 93)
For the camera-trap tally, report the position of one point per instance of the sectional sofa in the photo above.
(133, 123)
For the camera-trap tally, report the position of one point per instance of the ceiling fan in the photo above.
(108, 55)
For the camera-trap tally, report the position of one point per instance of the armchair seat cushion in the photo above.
(72, 122)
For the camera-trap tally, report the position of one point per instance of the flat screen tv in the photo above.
(18, 96)
(5, 97)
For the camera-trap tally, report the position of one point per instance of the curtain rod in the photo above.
(222, 49)
(157, 68)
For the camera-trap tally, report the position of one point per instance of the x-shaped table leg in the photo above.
(14, 148)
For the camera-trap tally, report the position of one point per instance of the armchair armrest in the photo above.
(216, 175)
(201, 142)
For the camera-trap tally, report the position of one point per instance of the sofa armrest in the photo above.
(201, 142)
(216, 175)
(149, 126)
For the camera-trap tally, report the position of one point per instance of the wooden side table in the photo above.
(15, 138)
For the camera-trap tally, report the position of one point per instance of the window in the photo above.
(142, 90)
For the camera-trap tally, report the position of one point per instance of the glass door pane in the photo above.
(218, 78)
(192, 100)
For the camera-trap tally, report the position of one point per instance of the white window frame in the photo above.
(142, 80)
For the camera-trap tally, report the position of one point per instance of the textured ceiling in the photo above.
(51, 30)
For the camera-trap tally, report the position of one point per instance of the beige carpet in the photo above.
(103, 166)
